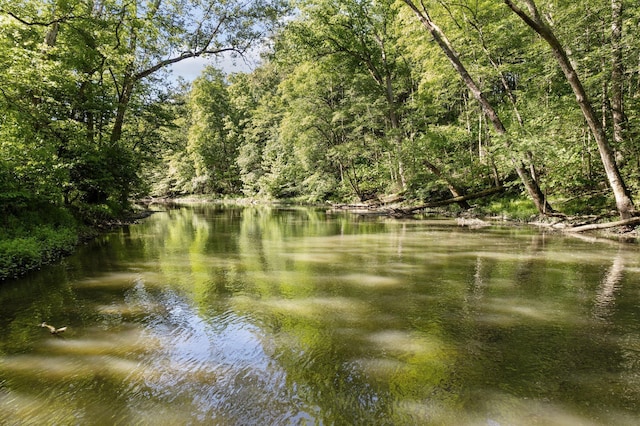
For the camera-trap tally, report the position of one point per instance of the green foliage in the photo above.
(83, 101)
(353, 99)
(210, 146)
(35, 237)
(511, 208)
(43, 245)
(594, 203)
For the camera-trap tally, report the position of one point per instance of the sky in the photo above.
(191, 68)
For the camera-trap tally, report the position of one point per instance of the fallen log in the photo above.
(392, 198)
(453, 200)
(594, 226)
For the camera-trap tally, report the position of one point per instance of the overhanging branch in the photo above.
(38, 23)
(182, 57)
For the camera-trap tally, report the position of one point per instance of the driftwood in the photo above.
(594, 226)
(453, 200)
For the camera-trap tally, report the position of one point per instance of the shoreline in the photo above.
(560, 224)
(13, 266)
(47, 244)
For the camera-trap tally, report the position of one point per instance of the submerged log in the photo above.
(453, 200)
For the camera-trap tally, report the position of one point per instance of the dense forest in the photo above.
(352, 100)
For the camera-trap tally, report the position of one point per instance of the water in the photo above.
(264, 316)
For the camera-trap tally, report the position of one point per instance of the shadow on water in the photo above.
(213, 315)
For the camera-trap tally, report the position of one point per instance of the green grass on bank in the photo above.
(41, 245)
(45, 232)
(33, 237)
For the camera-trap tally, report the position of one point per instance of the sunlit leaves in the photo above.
(209, 144)
(80, 82)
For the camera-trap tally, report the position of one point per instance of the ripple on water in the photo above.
(213, 364)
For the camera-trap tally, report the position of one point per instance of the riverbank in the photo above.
(502, 211)
(509, 212)
(31, 240)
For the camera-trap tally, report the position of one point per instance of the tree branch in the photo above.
(38, 23)
(186, 55)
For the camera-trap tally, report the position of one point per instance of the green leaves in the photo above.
(209, 145)
(352, 98)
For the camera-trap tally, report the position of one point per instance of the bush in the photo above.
(44, 245)
(92, 214)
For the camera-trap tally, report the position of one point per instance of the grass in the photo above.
(41, 234)
(518, 209)
(42, 245)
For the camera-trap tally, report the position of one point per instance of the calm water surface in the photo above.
(264, 316)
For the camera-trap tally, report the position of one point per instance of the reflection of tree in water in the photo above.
(623, 346)
(544, 345)
(609, 286)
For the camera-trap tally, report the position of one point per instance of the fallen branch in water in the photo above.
(593, 226)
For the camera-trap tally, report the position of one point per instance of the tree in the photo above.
(535, 20)
(489, 111)
(209, 144)
(79, 68)
(336, 121)
(363, 35)
(254, 98)
(617, 73)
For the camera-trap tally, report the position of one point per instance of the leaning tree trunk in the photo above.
(123, 103)
(529, 183)
(533, 19)
(453, 188)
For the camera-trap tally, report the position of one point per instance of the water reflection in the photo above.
(214, 315)
(605, 297)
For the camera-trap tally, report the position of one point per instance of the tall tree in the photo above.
(532, 17)
(530, 184)
(209, 144)
(362, 32)
(617, 73)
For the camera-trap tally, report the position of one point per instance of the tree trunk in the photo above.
(455, 191)
(624, 202)
(594, 226)
(475, 195)
(530, 184)
(123, 102)
(395, 124)
(52, 34)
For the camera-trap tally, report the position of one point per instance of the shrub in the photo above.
(44, 245)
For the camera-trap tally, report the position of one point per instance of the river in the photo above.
(290, 316)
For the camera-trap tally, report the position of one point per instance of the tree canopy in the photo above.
(353, 99)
